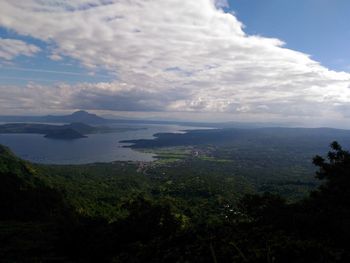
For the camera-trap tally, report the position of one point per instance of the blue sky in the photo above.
(41, 69)
(315, 27)
(320, 28)
(246, 60)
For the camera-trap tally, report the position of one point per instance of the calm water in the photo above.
(96, 148)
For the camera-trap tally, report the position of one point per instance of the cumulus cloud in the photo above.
(171, 56)
(11, 48)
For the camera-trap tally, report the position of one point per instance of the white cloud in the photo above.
(176, 56)
(11, 48)
(114, 96)
(55, 57)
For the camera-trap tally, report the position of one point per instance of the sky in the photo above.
(204, 60)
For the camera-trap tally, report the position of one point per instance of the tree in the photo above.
(336, 175)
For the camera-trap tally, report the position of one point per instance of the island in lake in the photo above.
(66, 132)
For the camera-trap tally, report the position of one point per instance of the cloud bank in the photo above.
(170, 56)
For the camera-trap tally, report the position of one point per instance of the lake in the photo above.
(103, 147)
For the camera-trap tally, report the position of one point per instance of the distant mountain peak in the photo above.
(82, 113)
(80, 116)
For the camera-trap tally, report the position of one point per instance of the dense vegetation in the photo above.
(172, 212)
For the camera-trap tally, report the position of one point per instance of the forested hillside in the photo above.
(121, 214)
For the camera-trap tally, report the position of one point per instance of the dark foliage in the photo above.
(23, 195)
(260, 228)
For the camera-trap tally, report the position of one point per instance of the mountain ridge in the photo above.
(78, 116)
(82, 116)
